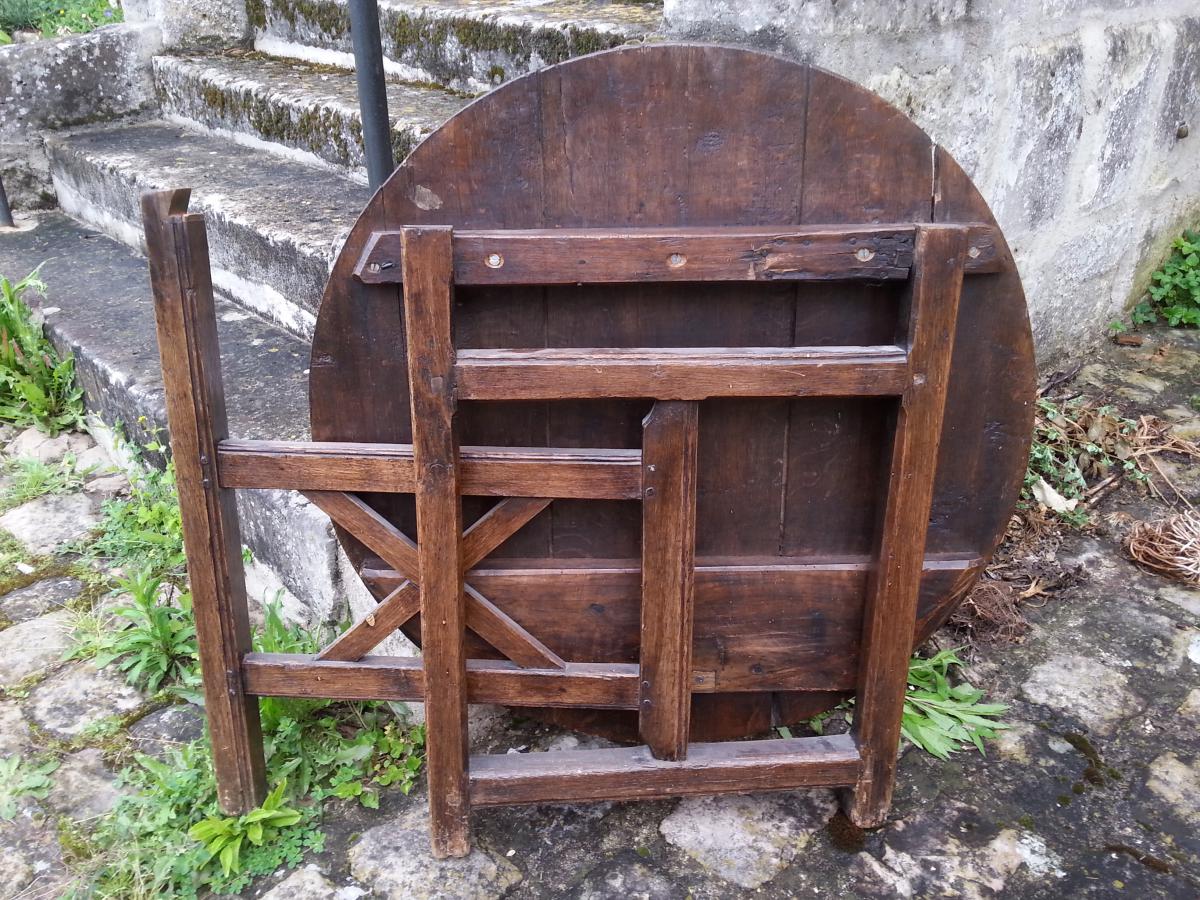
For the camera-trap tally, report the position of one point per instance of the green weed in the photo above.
(167, 837)
(223, 836)
(56, 18)
(941, 718)
(32, 478)
(37, 387)
(1175, 286)
(21, 778)
(145, 529)
(1076, 444)
(79, 17)
(153, 642)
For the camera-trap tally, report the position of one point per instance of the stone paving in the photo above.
(1093, 792)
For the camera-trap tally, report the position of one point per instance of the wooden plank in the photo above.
(427, 302)
(590, 474)
(404, 602)
(363, 636)
(504, 633)
(591, 685)
(891, 609)
(784, 626)
(705, 253)
(633, 773)
(376, 532)
(668, 561)
(680, 373)
(177, 247)
(497, 526)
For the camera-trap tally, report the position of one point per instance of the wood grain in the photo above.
(891, 611)
(731, 253)
(427, 304)
(392, 612)
(583, 473)
(177, 247)
(668, 576)
(376, 532)
(689, 137)
(593, 685)
(736, 767)
(757, 627)
(680, 373)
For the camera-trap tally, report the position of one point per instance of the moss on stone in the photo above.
(332, 18)
(256, 13)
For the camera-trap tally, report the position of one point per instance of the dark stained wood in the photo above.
(680, 373)
(507, 635)
(721, 137)
(776, 626)
(427, 303)
(363, 636)
(737, 767)
(486, 471)
(498, 525)
(594, 685)
(891, 610)
(187, 339)
(404, 602)
(598, 255)
(668, 577)
(376, 532)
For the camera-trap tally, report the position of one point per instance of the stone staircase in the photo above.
(270, 142)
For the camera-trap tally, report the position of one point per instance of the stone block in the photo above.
(78, 697)
(394, 861)
(1046, 114)
(39, 598)
(47, 523)
(76, 79)
(747, 840)
(1084, 689)
(33, 646)
(84, 786)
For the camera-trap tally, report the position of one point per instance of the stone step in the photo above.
(301, 109)
(98, 307)
(468, 45)
(273, 224)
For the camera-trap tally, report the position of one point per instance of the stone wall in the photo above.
(76, 79)
(1072, 117)
(62, 82)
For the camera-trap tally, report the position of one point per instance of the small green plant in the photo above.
(23, 15)
(32, 478)
(1175, 285)
(145, 529)
(941, 718)
(57, 18)
(1073, 442)
(167, 837)
(156, 643)
(79, 17)
(37, 387)
(22, 778)
(223, 836)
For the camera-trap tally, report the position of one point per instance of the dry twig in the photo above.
(1170, 546)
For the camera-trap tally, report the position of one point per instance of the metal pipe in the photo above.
(6, 219)
(372, 91)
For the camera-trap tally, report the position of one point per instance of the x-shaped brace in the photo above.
(400, 552)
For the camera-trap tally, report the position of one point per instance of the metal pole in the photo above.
(6, 219)
(372, 91)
